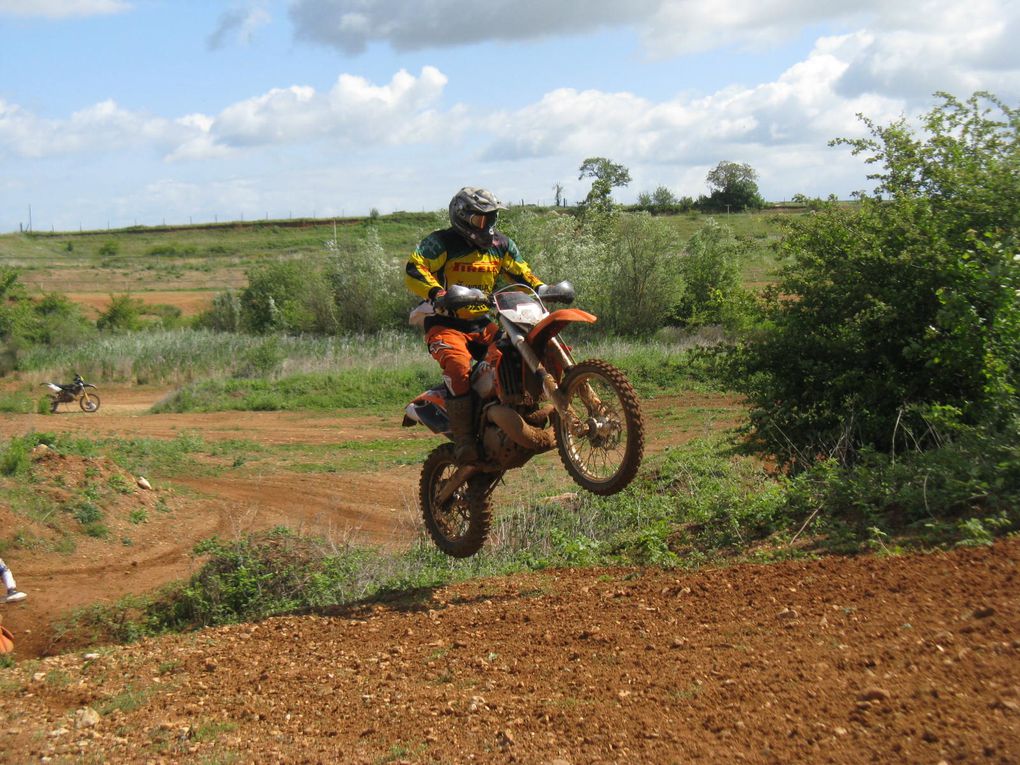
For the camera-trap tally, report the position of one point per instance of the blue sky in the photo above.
(123, 112)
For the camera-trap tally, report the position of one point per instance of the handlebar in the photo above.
(459, 296)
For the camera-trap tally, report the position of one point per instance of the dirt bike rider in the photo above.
(473, 254)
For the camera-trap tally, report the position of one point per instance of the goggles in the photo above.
(483, 221)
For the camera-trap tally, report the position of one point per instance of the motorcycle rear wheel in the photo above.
(460, 527)
(90, 403)
(601, 440)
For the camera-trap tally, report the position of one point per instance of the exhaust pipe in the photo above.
(520, 432)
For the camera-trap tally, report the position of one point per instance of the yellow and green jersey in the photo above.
(444, 258)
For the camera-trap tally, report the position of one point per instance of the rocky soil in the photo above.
(900, 659)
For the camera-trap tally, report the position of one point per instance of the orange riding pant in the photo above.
(449, 347)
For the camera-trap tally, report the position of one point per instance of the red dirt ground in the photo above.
(910, 659)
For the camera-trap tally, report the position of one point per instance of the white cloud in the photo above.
(354, 111)
(782, 128)
(61, 9)
(957, 48)
(101, 127)
(669, 27)
(915, 47)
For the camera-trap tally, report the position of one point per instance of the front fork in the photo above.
(550, 386)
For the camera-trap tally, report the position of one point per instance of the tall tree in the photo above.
(734, 188)
(607, 175)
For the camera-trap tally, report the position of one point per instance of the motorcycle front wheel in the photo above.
(601, 438)
(89, 402)
(461, 525)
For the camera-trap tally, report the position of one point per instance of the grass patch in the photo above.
(655, 368)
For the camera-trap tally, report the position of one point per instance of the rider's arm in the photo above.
(425, 262)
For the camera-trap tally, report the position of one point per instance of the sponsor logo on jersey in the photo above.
(476, 268)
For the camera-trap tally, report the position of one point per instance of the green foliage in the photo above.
(170, 250)
(640, 278)
(224, 315)
(609, 267)
(108, 249)
(52, 320)
(124, 314)
(279, 296)
(15, 458)
(262, 360)
(905, 303)
(248, 579)
(662, 201)
(710, 270)
(20, 402)
(85, 512)
(348, 388)
(635, 274)
(814, 203)
(367, 286)
(964, 492)
(357, 288)
(179, 356)
(597, 208)
(734, 188)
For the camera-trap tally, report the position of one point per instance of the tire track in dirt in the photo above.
(375, 509)
(359, 508)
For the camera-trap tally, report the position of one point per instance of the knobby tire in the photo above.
(461, 527)
(602, 459)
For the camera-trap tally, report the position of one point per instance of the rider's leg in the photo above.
(8, 580)
(449, 347)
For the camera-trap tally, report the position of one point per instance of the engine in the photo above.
(499, 448)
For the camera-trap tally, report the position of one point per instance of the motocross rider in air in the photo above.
(473, 254)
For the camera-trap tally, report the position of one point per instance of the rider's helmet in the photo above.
(473, 215)
(79, 379)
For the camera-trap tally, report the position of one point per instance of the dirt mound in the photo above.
(910, 659)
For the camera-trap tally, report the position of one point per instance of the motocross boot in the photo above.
(459, 410)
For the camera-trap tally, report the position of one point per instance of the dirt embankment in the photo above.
(911, 659)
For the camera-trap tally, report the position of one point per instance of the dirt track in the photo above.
(368, 508)
(913, 659)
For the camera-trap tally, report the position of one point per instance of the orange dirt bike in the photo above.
(78, 390)
(535, 398)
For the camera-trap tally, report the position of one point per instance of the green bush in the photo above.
(52, 320)
(124, 314)
(367, 286)
(224, 315)
(710, 269)
(966, 491)
(15, 459)
(277, 297)
(906, 302)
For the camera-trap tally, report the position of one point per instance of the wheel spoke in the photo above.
(597, 430)
(601, 434)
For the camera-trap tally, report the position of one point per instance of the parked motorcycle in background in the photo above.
(76, 391)
(534, 399)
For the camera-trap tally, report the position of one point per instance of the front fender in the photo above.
(553, 324)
